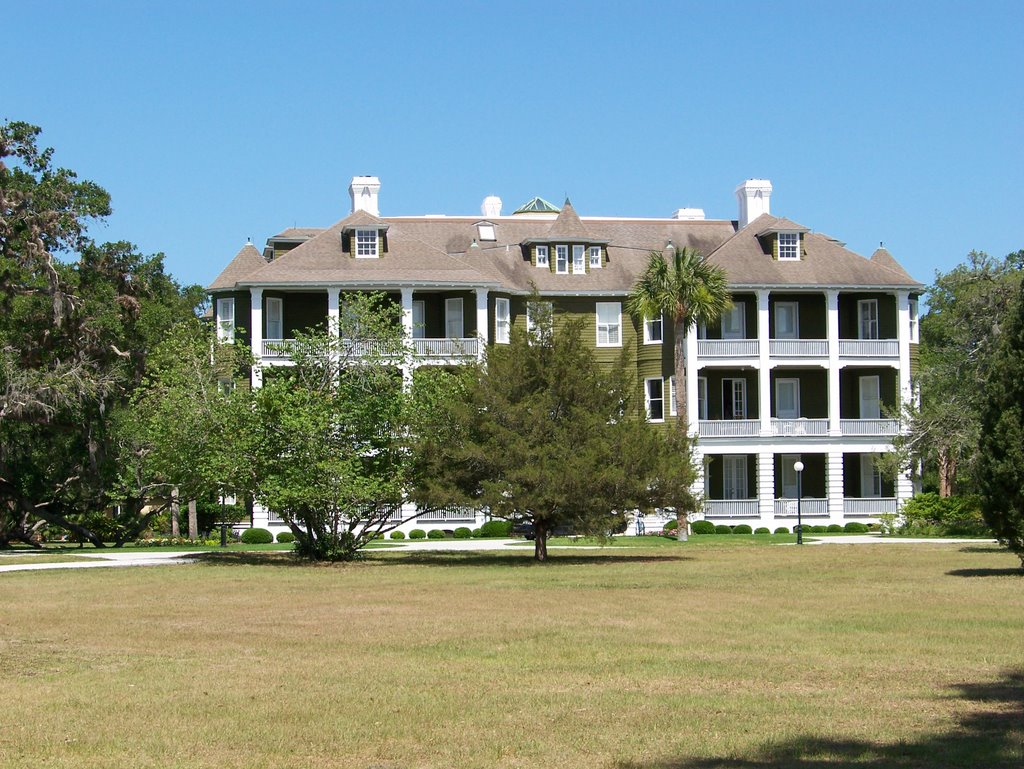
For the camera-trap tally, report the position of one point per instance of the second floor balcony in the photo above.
(467, 348)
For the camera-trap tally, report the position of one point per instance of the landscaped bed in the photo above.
(909, 655)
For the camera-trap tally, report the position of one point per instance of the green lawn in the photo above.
(646, 658)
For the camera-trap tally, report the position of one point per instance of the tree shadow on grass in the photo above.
(524, 558)
(991, 737)
(986, 572)
(252, 558)
(988, 549)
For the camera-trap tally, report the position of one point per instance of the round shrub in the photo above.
(762, 530)
(463, 533)
(742, 528)
(833, 528)
(781, 530)
(674, 524)
(496, 529)
(417, 534)
(722, 529)
(285, 537)
(701, 527)
(257, 537)
(397, 535)
(435, 534)
(477, 533)
(815, 529)
(856, 527)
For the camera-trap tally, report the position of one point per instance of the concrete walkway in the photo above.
(162, 557)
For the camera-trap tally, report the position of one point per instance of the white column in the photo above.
(333, 310)
(256, 334)
(766, 485)
(834, 480)
(832, 314)
(903, 337)
(483, 334)
(692, 368)
(409, 363)
(764, 374)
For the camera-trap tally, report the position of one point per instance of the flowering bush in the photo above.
(174, 542)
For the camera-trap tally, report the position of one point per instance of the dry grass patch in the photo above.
(658, 658)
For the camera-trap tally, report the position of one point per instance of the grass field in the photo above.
(672, 657)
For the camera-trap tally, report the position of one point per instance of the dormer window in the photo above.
(366, 244)
(789, 246)
(579, 266)
(542, 256)
(595, 257)
(562, 260)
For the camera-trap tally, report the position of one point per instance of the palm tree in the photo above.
(680, 286)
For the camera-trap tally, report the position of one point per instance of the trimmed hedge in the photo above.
(700, 527)
(723, 529)
(257, 537)
(856, 527)
(781, 530)
(463, 532)
(496, 529)
(477, 534)
(742, 528)
(285, 537)
(762, 530)
(397, 535)
(417, 534)
(833, 528)
(435, 534)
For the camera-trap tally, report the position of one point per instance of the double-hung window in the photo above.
(366, 244)
(275, 317)
(653, 330)
(789, 247)
(502, 320)
(579, 265)
(453, 318)
(562, 260)
(654, 399)
(787, 320)
(419, 319)
(609, 324)
(226, 319)
(734, 322)
(595, 257)
(867, 314)
(542, 256)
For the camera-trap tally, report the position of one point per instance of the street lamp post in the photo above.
(799, 467)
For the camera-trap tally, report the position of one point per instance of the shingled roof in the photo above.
(246, 262)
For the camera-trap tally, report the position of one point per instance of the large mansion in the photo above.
(810, 364)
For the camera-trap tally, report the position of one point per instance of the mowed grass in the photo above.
(880, 655)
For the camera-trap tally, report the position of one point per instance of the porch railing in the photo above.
(869, 426)
(868, 506)
(727, 348)
(800, 426)
(281, 349)
(446, 348)
(810, 507)
(798, 348)
(868, 348)
(730, 508)
(728, 428)
(450, 513)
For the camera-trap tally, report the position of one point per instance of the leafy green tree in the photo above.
(77, 321)
(329, 445)
(967, 308)
(543, 434)
(682, 287)
(1001, 445)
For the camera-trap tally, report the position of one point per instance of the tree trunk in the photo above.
(679, 369)
(193, 520)
(175, 510)
(540, 542)
(947, 473)
(682, 523)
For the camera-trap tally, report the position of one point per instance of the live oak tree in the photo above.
(542, 433)
(681, 286)
(1001, 445)
(77, 320)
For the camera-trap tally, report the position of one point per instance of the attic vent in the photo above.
(486, 231)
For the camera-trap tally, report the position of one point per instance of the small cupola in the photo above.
(754, 196)
(364, 191)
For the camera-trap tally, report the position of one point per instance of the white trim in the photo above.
(366, 244)
(562, 259)
(502, 320)
(594, 253)
(650, 324)
(869, 389)
(792, 246)
(672, 396)
(612, 329)
(737, 389)
(654, 402)
(915, 326)
(702, 397)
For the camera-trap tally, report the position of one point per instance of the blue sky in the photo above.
(212, 122)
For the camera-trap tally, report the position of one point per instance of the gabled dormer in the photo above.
(364, 236)
(567, 248)
(784, 240)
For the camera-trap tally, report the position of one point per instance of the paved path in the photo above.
(161, 557)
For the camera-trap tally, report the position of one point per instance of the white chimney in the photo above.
(363, 191)
(688, 214)
(753, 195)
(491, 207)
